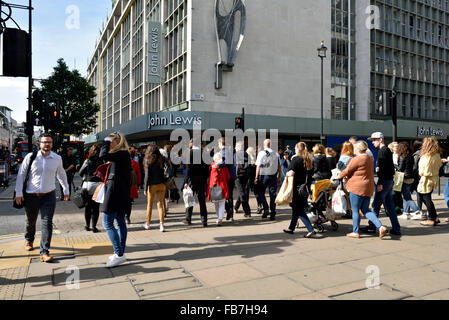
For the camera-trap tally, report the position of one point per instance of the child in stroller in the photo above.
(319, 208)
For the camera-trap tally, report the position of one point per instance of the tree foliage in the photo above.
(74, 97)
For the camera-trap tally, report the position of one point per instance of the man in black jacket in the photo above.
(197, 172)
(383, 192)
(242, 181)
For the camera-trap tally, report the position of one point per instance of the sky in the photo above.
(65, 29)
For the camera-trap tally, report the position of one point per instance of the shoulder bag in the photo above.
(25, 182)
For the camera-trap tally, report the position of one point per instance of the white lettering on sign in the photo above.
(154, 48)
(172, 120)
(422, 131)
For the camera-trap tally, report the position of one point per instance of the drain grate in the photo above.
(177, 280)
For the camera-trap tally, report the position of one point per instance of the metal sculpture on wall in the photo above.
(226, 31)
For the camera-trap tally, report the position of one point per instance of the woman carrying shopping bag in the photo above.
(90, 183)
(429, 167)
(360, 173)
(217, 190)
(301, 169)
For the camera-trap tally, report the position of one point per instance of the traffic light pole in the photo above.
(30, 79)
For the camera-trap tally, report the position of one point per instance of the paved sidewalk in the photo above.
(250, 258)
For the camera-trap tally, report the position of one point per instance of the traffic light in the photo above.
(39, 109)
(239, 123)
(15, 53)
(53, 117)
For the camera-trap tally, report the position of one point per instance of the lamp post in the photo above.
(322, 54)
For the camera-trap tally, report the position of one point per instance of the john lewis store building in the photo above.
(174, 60)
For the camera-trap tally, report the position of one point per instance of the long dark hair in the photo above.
(94, 151)
(153, 156)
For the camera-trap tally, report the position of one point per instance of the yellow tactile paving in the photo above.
(14, 254)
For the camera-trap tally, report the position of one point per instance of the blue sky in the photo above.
(56, 34)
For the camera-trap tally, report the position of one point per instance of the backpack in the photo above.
(168, 171)
(243, 169)
(266, 161)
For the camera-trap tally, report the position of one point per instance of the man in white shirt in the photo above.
(40, 193)
(268, 174)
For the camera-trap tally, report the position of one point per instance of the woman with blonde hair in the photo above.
(321, 168)
(429, 167)
(347, 153)
(115, 150)
(300, 169)
(154, 185)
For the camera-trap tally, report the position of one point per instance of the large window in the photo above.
(342, 64)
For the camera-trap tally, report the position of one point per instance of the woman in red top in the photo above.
(219, 177)
(134, 193)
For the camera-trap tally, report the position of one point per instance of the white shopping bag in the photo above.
(189, 199)
(100, 196)
(335, 174)
(339, 202)
(312, 217)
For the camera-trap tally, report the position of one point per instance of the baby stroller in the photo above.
(319, 205)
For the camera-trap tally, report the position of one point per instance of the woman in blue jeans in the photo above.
(115, 151)
(360, 174)
(405, 164)
(301, 169)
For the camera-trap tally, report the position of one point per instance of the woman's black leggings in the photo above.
(427, 199)
(92, 212)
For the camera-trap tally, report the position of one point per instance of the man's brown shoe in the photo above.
(430, 223)
(29, 246)
(382, 231)
(46, 258)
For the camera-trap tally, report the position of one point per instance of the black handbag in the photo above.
(25, 182)
(304, 190)
(80, 198)
(216, 193)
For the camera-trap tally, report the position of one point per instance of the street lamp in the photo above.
(322, 54)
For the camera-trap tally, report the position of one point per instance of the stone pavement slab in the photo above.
(275, 287)
(222, 275)
(327, 276)
(116, 291)
(418, 282)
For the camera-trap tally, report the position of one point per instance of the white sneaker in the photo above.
(162, 227)
(404, 216)
(115, 261)
(415, 213)
(146, 226)
(111, 257)
(417, 216)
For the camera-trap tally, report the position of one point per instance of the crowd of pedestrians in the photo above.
(125, 169)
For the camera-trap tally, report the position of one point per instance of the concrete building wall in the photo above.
(277, 70)
(363, 61)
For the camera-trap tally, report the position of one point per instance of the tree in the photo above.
(72, 97)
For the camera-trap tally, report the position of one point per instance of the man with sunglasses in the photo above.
(40, 192)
